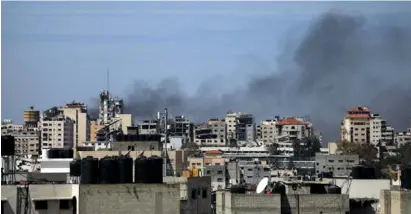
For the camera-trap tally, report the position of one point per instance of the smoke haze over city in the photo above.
(341, 62)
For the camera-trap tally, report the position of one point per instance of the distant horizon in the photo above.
(197, 58)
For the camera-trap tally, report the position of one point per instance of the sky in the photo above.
(56, 52)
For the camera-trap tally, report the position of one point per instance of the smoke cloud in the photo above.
(341, 62)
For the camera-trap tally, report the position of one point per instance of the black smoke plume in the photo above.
(340, 63)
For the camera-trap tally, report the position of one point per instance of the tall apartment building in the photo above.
(31, 118)
(148, 127)
(182, 127)
(212, 133)
(360, 126)
(291, 128)
(77, 112)
(56, 130)
(238, 124)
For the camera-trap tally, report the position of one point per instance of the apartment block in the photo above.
(403, 138)
(240, 126)
(212, 133)
(26, 142)
(148, 127)
(361, 126)
(182, 127)
(77, 112)
(339, 165)
(283, 130)
(57, 131)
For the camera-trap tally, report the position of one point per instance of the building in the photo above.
(395, 201)
(56, 130)
(360, 126)
(8, 126)
(237, 124)
(94, 129)
(26, 142)
(175, 195)
(182, 127)
(339, 165)
(215, 167)
(282, 130)
(148, 127)
(300, 200)
(77, 112)
(212, 133)
(253, 171)
(403, 138)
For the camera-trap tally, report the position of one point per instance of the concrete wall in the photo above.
(395, 202)
(228, 203)
(200, 187)
(9, 198)
(357, 189)
(129, 198)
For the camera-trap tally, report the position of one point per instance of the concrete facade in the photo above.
(175, 196)
(340, 165)
(230, 203)
(395, 202)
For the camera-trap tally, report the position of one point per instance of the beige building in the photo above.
(403, 138)
(240, 126)
(395, 201)
(213, 132)
(94, 128)
(57, 132)
(356, 125)
(77, 112)
(26, 142)
(284, 130)
(123, 121)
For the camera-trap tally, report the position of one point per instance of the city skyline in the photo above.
(68, 47)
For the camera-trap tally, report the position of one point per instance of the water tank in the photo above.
(155, 172)
(239, 189)
(31, 117)
(406, 178)
(357, 172)
(141, 170)
(89, 170)
(279, 188)
(53, 154)
(109, 171)
(75, 168)
(65, 153)
(333, 189)
(125, 167)
(7, 145)
(369, 172)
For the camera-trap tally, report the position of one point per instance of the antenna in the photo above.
(262, 185)
(108, 81)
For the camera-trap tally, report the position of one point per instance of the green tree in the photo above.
(366, 152)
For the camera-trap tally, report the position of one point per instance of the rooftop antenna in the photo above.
(108, 82)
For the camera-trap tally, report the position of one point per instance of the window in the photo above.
(194, 194)
(64, 204)
(40, 205)
(204, 192)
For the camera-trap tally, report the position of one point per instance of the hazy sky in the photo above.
(57, 52)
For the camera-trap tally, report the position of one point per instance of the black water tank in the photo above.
(406, 178)
(357, 172)
(75, 168)
(66, 153)
(155, 172)
(279, 188)
(333, 189)
(141, 170)
(53, 153)
(239, 189)
(7, 145)
(109, 172)
(89, 170)
(369, 172)
(125, 167)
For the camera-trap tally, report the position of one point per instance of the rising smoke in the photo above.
(340, 63)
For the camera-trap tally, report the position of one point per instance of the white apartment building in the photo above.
(403, 138)
(57, 132)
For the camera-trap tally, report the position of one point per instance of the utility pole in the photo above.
(165, 141)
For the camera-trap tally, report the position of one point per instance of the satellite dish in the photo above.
(262, 185)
